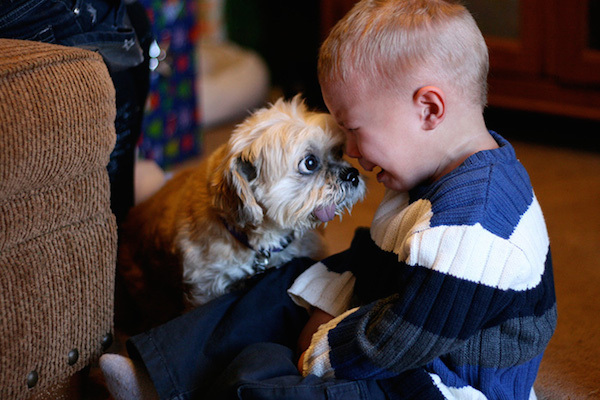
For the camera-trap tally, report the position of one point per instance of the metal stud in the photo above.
(32, 379)
(107, 340)
(73, 356)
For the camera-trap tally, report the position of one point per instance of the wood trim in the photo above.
(525, 55)
(569, 57)
(331, 12)
(545, 96)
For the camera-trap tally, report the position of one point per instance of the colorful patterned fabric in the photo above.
(171, 131)
(464, 269)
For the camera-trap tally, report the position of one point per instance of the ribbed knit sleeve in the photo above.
(324, 289)
(465, 268)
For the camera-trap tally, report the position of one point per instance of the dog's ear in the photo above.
(233, 194)
(247, 168)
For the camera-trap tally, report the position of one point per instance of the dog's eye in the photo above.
(308, 165)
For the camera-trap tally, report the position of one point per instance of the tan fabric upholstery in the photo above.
(57, 233)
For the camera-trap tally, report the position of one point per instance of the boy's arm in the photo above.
(432, 314)
(392, 335)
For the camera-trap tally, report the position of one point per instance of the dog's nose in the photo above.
(350, 175)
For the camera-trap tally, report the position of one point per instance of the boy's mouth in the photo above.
(380, 174)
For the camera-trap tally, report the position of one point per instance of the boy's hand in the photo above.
(317, 318)
(301, 362)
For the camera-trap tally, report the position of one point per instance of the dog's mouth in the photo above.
(325, 213)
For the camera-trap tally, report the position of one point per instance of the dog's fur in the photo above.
(202, 232)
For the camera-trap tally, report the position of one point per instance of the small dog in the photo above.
(252, 205)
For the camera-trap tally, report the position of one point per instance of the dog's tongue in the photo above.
(325, 213)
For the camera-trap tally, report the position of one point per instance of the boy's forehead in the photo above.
(351, 86)
(347, 100)
(338, 99)
(341, 93)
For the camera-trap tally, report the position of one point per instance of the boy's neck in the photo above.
(462, 139)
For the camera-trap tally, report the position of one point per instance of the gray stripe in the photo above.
(400, 351)
(512, 343)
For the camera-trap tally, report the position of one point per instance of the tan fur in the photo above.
(177, 242)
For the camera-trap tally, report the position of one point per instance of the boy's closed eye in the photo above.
(347, 127)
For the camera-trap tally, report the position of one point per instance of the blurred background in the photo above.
(217, 59)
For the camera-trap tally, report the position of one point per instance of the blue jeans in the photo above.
(239, 346)
(121, 34)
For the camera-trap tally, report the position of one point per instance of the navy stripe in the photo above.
(454, 308)
(414, 384)
(491, 188)
(503, 383)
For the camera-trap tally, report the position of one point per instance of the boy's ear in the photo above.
(431, 102)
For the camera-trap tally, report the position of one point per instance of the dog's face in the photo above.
(284, 167)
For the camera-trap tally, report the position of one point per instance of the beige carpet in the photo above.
(567, 183)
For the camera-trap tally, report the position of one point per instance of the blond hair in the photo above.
(381, 41)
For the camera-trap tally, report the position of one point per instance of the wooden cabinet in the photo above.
(513, 33)
(552, 65)
(574, 48)
(544, 54)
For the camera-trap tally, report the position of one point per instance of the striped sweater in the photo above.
(453, 287)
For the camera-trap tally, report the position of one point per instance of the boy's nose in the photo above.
(352, 148)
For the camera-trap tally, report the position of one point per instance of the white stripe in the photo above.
(465, 392)
(532, 395)
(395, 220)
(452, 393)
(318, 287)
(468, 252)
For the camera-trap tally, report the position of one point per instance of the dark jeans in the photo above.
(121, 34)
(239, 346)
